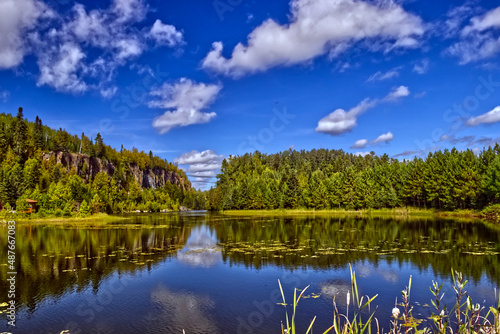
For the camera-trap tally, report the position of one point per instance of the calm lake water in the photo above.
(208, 273)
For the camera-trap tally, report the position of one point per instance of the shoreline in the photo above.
(399, 212)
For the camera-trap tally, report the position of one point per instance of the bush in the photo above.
(492, 211)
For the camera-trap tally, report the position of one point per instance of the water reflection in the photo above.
(336, 289)
(181, 311)
(201, 248)
(64, 260)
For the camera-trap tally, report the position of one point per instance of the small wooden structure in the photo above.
(31, 206)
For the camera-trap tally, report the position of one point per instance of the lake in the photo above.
(210, 273)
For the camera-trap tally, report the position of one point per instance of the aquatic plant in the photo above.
(464, 318)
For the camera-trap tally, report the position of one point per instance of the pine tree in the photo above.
(292, 194)
(99, 148)
(38, 135)
(31, 173)
(20, 133)
(491, 181)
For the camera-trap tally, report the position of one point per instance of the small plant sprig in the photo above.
(290, 325)
(464, 318)
(409, 322)
(440, 318)
(356, 324)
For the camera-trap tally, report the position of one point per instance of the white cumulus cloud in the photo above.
(201, 166)
(165, 34)
(61, 68)
(17, 18)
(480, 39)
(82, 48)
(318, 27)
(186, 101)
(397, 93)
(195, 157)
(360, 143)
(383, 138)
(341, 121)
(492, 116)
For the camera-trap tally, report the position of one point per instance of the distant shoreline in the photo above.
(401, 212)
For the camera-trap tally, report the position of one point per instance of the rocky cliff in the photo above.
(87, 167)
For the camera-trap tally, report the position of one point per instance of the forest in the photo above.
(331, 179)
(27, 170)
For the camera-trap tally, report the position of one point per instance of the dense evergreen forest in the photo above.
(326, 179)
(29, 169)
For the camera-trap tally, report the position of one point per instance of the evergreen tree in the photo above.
(491, 181)
(20, 133)
(38, 135)
(99, 148)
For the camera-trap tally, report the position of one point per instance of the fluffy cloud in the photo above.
(165, 34)
(383, 138)
(341, 121)
(186, 99)
(129, 10)
(61, 68)
(17, 18)
(362, 154)
(492, 116)
(481, 23)
(106, 30)
(202, 166)
(318, 27)
(380, 76)
(360, 143)
(480, 39)
(80, 49)
(397, 93)
(195, 157)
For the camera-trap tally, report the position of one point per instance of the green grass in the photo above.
(333, 212)
(395, 212)
(26, 218)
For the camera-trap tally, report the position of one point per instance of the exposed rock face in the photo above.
(88, 167)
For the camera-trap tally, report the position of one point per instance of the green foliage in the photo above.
(333, 179)
(29, 168)
(464, 318)
(84, 209)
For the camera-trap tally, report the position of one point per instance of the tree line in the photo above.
(330, 179)
(61, 190)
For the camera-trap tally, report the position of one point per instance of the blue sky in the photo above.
(197, 81)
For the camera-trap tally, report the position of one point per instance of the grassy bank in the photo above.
(338, 212)
(34, 218)
(489, 214)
